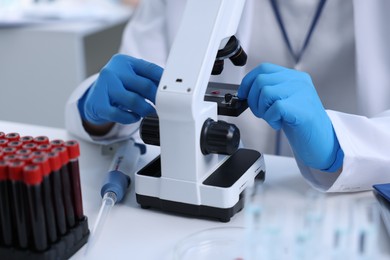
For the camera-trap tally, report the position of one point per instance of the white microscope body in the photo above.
(185, 178)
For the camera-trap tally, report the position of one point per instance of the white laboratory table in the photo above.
(147, 234)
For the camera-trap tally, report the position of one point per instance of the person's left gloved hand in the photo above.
(287, 100)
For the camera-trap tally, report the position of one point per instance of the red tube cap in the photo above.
(73, 149)
(41, 139)
(37, 154)
(57, 142)
(9, 150)
(26, 139)
(12, 136)
(10, 157)
(15, 170)
(3, 142)
(55, 161)
(32, 174)
(44, 147)
(16, 144)
(63, 152)
(43, 162)
(23, 151)
(30, 146)
(27, 158)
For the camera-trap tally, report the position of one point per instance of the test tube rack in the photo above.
(41, 213)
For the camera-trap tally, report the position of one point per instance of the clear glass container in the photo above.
(224, 243)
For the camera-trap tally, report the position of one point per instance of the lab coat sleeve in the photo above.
(73, 122)
(366, 146)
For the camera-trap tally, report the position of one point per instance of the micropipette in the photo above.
(116, 182)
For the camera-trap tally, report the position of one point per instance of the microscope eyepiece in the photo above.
(232, 51)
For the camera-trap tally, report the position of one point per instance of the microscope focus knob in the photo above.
(150, 130)
(219, 137)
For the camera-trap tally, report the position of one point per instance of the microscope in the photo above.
(201, 171)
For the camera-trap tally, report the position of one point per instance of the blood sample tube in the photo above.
(10, 157)
(55, 180)
(41, 140)
(3, 142)
(1, 153)
(27, 158)
(32, 177)
(57, 143)
(66, 186)
(47, 195)
(30, 146)
(26, 139)
(5, 212)
(23, 151)
(2, 134)
(16, 144)
(12, 136)
(37, 154)
(19, 203)
(9, 150)
(44, 147)
(73, 149)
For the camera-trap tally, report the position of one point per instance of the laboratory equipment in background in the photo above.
(201, 170)
(41, 212)
(116, 182)
(310, 226)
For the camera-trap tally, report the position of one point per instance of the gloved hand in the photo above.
(120, 92)
(287, 100)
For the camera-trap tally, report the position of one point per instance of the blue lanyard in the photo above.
(297, 56)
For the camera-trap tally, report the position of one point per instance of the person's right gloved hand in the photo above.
(122, 93)
(287, 100)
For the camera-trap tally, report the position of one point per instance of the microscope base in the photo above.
(227, 181)
(221, 214)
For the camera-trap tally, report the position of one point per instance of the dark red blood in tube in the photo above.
(66, 186)
(41, 140)
(32, 177)
(55, 179)
(12, 136)
(47, 194)
(73, 149)
(6, 220)
(19, 202)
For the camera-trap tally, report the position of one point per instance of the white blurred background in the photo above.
(48, 47)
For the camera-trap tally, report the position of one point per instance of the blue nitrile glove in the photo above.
(287, 100)
(120, 92)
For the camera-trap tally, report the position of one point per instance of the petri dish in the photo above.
(223, 243)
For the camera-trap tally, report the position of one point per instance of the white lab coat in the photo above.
(348, 58)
